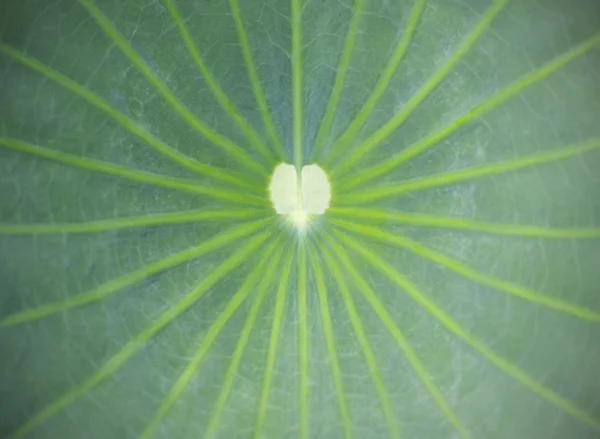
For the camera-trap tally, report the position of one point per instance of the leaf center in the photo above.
(299, 194)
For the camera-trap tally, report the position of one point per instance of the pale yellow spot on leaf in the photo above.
(300, 196)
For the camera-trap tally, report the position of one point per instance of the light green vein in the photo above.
(111, 287)
(377, 217)
(214, 87)
(361, 335)
(226, 145)
(334, 362)
(338, 84)
(435, 311)
(443, 180)
(130, 125)
(282, 291)
(373, 141)
(346, 139)
(469, 273)
(303, 354)
(157, 180)
(206, 340)
(153, 220)
(408, 351)
(254, 81)
(139, 341)
(297, 82)
(475, 113)
(267, 278)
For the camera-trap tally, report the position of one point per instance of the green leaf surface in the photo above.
(149, 290)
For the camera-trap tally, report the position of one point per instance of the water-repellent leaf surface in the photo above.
(149, 289)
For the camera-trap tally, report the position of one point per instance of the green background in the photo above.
(43, 359)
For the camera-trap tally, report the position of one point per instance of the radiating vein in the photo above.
(278, 314)
(334, 362)
(152, 220)
(266, 281)
(214, 87)
(450, 178)
(338, 84)
(206, 340)
(435, 311)
(118, 284)
(303, 354)
(468, 272)
(346, 139)
(226, 145)
(423, 93)
(139, 341)
(376, 217)
(297, 82)
(361, 335)
(475, 113)
(157, 180)
(254, 81)
(130, 125)
(387, 320)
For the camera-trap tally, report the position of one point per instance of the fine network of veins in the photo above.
(330, 248)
